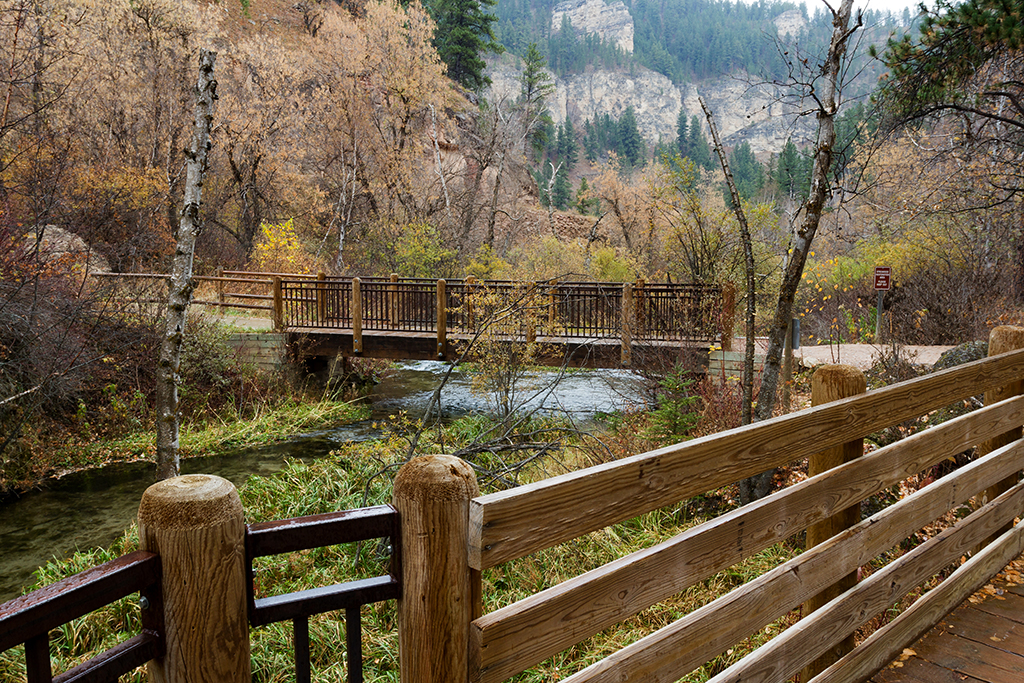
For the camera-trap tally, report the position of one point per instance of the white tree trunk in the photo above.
(180, 287)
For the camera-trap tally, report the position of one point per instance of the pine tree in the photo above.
(585, 204)
(535, 87)
(788, 171)
(747, 171)
(590, 142)
(568, 148)
(561, 192)
(631, 144)
(697, 144)
(465, 31)
(682, 134)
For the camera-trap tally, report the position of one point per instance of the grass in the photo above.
(270, 424)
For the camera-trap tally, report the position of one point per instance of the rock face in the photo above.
(790, 23)
(611, 21)
(743, 113)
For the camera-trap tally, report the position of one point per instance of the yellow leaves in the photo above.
(278, 249)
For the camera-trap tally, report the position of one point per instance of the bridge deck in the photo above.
(982, 641)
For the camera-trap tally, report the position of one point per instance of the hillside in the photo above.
(673, 51)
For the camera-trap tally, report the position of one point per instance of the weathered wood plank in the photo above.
(972, 658)
(974, 623)
(673, 651)
(518, 636)
(917, 670)
(513, 523)
(815, 634)
(882, 646)
(1008, 606)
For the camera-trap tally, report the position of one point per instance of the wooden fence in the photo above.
(448, 535)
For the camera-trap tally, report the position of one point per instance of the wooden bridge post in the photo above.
(220, 290)
(627, 324)
(1001, 340)
(831, 383)
(195, 523)
(639, 307)
(728, 320)
(393, 300)
(432, 494)
(321, 297)
(442, 320)
(552, 306)
(530, 317)
(467, 302)
(357, 316)
(278, 295)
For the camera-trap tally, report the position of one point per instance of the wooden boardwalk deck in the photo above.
(982, 641)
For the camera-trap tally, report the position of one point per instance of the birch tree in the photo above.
(181, 283)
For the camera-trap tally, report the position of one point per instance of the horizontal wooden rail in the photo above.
(812, 636)
(682, 646)
(883, 646)
(29, 618)
(513, 523)
(520, 635)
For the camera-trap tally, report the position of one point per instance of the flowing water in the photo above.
(91, 509)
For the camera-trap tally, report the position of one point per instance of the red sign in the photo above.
(883, 277)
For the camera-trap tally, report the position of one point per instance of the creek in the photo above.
(92, 508)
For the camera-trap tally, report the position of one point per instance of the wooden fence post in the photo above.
(1001, 340)
(728, 321)
(220, 290)
(393, 300)
(278, 304)
(530, 314)
(831, 383)
(357, 315)
(442, 320)
(468, 292)
(432, 495)
(627, 324)
(552, 307)
(195, 523)
(321, 297)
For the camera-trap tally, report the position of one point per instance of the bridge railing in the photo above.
(575, 310)
(186, 639)
(571, 310)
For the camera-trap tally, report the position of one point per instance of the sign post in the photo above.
(883, 281)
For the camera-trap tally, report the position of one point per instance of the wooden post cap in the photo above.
(1005, 338)
(196, 524)
(833, 382)
(436, 478)
(189, 501)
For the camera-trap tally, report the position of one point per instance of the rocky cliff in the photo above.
(743, 113)
(611, 21)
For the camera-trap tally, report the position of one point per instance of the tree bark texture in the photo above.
(181, 284)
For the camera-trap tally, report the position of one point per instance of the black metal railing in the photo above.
(29, 618)
(315, 531)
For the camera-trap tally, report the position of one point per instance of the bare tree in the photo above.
(824, 91)
(181, 283)
(748, 267)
